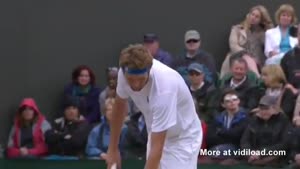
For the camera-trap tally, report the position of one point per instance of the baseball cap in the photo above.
(150, 37)
(191, 34)
(196, 67)
(267, 101)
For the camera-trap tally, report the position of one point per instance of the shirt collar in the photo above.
(198, 87)
(235, 85)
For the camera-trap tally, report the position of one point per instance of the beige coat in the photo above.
(237, 42)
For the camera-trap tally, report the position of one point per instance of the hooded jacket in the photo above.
(39, 127)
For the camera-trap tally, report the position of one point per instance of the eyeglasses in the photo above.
(232, 98)
(192, 41)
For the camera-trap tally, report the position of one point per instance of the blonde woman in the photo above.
(275, 85)
(249, 35)
(278, 40)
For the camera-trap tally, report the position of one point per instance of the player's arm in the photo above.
(157, 145)
(164, 117)
(120, 110)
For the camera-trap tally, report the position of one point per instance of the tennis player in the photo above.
(174, 129)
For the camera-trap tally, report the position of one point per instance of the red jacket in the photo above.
(39, 145)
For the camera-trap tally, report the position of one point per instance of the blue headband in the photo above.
(135, 71)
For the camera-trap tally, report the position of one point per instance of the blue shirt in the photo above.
(285, 42)
(164, 57)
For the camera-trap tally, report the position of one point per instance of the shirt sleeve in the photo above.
(164, 112)
(121, 86)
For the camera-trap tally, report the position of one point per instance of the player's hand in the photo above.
(273, 53)
(23, 151)
(103, 156)
(253, 158)
(112, 157)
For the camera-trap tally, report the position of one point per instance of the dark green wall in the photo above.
(41, 41)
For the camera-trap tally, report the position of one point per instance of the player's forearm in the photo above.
(118, 116)
(153, 160)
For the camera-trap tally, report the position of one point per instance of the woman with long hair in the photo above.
(249, 36)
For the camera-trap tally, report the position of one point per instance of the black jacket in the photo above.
(205, 102)
(136, 139)
(269, 135)
(294, 140)
(242, 90)
(58, 141)
(291, 66)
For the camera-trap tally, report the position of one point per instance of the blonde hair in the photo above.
(276, 74)
(265, 20)
(109, 103)
(286, 8)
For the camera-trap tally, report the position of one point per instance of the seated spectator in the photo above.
(84, 93)
(26, 138)
(249, 36)
(112, 78)
(294, 144)
(201, 91)
(194, 54)
(98, 139)
(239, 78)
(225, 131)
(69, 133)
(268, 130)
(151, 42)
(291, 66)
(274, 84)
(279, 40)
(137, 136)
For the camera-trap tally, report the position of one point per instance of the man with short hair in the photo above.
(151, 42)
(195, 54)
(240, 78)
(174, 129)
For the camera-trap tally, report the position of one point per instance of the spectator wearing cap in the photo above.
(201, 90)
(226, 129)
(267, 131)
(69, 134)
(195, 54)
(151, 42)
(240, 78)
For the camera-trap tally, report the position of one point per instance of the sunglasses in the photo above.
(194, 73)
(192, 41)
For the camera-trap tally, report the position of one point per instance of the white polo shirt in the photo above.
(166, 104)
